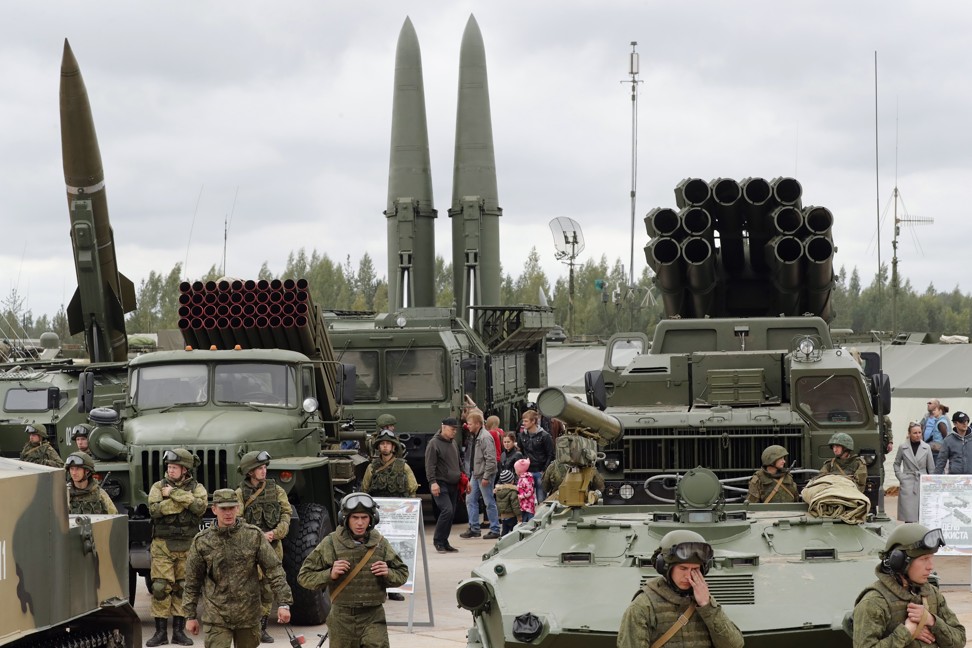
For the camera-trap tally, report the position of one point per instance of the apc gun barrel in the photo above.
(553, 402)
(664, 256)
(783, 256)
(820, 275)
(662, 221)
(701, 273)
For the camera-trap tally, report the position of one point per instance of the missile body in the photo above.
(104, 295)
(410, 212)
(475, 210)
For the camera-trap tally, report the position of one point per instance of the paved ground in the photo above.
(451, 622)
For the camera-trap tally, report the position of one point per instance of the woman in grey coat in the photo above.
(914, 459)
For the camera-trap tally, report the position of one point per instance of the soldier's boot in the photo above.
(161, 633)
(264, 635)
(179, 635)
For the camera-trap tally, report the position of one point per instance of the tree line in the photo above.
(603, 301)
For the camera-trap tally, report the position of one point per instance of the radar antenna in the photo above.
(569, 242)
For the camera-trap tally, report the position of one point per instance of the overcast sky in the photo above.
(290, 103)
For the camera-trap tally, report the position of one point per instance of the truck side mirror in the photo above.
(349, 380)
(881, 393)
(595, 389)
(53, 398)
(470, 369)
(85, 392)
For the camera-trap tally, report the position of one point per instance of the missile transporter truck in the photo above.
(63, 578)
(257, 373)
(744, 358)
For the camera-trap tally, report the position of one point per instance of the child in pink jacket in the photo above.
(524, 488)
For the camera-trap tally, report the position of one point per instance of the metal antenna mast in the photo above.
(633, 68)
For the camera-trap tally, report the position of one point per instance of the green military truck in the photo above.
(745, 358)
(418, 364)
(223, 396)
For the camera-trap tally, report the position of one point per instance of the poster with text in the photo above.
(400, 521)
(946, 504)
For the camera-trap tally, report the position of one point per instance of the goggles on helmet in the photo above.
(74, 460)
(263, 456)
(696, 552)
(359, 499)
(32, 430)
(386, 435)
(931, 541)
(169, 456)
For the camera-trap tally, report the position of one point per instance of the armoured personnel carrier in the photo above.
(261, 377)
(771, 561)
(744, 359)
(64, 578)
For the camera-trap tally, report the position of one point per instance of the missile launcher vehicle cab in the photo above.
(744, 359)
(63, 578)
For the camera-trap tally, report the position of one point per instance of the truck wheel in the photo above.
(310, 607)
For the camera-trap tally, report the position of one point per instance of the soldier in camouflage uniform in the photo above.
(683, 559)
(84, 492)
(357, 618)
(554, 475)
(224, 567)
(38, 450)
(265, 506)
(772, 482)
(388, 475)
(902, 608)
(845, 462)
(177, 504)
(79, 435)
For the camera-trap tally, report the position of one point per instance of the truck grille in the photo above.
(211, 473)
(728, 451)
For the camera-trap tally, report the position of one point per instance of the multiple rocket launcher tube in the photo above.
(768, 244)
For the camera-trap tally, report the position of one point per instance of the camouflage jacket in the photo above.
(222, 568)
(366, 588)
(882, 609)
(43, 454)
(176, 518)
(507, 501)
(270, 510)
(91, 500)
(655, 609)
(554, 475)
(762, 484)
(852, 467)
(394, 479)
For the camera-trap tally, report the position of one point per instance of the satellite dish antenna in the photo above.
(569, 242)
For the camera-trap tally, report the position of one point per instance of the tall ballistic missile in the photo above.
(410, 213)
(475, 210)
(104, 295)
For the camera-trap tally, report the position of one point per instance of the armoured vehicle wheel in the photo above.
(310, 607)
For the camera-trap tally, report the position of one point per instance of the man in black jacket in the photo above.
(537, 445)
(443, 471)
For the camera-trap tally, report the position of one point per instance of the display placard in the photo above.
(946, 504)
(400, 522)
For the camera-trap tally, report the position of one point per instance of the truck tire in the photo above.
(310, 607)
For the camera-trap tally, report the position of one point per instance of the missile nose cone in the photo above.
(472, 50)
(407, 51)
(69, 64)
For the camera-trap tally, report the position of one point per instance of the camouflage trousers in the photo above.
(223, 637)
(357, 627)
(168, 578)
(266, 594)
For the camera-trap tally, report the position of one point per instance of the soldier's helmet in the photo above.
(682, 546)
(909, 541)
(39, 430)
(81, 430)
(389, 435)
(253, 460)
(774, 453)
(80, 459)
(359, 503)
(180, 457)
(842, 439)
(385, 420)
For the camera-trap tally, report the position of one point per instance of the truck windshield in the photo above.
(259, 383)
(165, 385)
(416, 374)
(831, 399)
